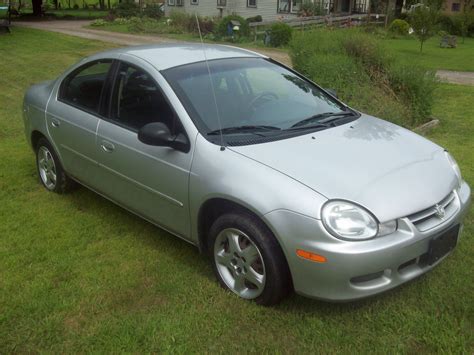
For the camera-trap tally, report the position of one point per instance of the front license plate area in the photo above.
(443, 244)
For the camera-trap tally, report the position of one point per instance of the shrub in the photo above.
(206, 24)
(75, 7)
(364, 74)
(257, 18)
(399, 28)
(280, 34)
(153, 11)
(311, 8)
(445, 23)
(99, 22)
(127, 8)
(221, 29)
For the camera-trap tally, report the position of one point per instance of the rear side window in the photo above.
(83, 87)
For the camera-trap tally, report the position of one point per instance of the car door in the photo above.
(73, 116)
(149, 180)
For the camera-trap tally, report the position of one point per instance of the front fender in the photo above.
(225, 174)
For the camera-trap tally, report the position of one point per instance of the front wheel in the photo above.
(248, 260)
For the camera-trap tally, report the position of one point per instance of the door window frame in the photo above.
(104, 93)
(178, 125)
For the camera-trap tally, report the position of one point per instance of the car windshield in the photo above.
(252, 94)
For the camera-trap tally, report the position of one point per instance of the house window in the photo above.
(295, 6)
(179, 2)
(284, 6)
(455, 7)
(194, 2)
(221, 3)
(170, 2)
(251, 3)
(287, 6)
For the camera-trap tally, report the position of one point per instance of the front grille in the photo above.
(430, 218)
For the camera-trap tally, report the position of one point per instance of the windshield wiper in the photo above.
(323, 119)
(243, 129)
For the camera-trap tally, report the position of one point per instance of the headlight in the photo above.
(455, 167)
(346, 220)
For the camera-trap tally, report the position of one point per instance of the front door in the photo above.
(151, 181)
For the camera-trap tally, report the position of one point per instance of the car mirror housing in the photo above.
(158, 134)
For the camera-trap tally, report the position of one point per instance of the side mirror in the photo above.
(332, 92)
(158, 134)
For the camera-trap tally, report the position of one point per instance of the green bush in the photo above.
(445, 23)
(99, 22)
(311, 8)
(257, 18)
(399, 28)
(221, 29)
(364, 74)
(152, 11)
(127, 8)
(280, 34)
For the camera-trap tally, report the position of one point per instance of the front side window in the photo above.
(137, 100)
(251, 3)
(83, 87)
(194, 2)
(170, 2)
(455, 7)
(249, 92)
(221, 3)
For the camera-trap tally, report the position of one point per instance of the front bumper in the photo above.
(356, 270)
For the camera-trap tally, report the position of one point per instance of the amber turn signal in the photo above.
(311, 256)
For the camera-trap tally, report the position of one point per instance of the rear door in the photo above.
(73, 116)
(149, 180)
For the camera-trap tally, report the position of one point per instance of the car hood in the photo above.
(391, 171)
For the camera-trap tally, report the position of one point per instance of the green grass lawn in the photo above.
(434, 57)
(79, 274)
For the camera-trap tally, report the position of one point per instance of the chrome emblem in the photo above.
(439, 211)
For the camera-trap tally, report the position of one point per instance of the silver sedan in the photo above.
(283, 185)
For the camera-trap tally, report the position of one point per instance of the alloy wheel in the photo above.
(239, 263)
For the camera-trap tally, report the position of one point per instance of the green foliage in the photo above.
(311, 8)
(221, 28)
(423, 21)
(153, 11)
(186, 23)
(280, 34)
(364, 74)
(257, 18)
(399, 28)
(126, 8)
(99, 22)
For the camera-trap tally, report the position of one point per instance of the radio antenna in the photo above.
(212, 83)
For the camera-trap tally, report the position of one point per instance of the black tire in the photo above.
(63, 183)
(277, 274)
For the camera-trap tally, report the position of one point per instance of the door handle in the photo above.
(107, 147)
(54, 122)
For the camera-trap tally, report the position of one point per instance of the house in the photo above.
(268, 9)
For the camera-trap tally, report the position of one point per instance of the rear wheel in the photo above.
(50, 170)
(247, 259)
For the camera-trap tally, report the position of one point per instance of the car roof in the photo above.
(165, 56)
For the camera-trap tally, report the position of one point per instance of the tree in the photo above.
(423, 22)
(37, 7)
(466, 18)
